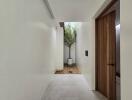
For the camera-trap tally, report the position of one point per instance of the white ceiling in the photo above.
(73, 10)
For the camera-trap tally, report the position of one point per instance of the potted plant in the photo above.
(69, 40)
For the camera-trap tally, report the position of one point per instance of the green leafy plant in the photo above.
(69, 37)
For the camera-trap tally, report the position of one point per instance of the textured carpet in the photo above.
(70, 87)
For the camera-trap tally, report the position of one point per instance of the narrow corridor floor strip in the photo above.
(70, 87)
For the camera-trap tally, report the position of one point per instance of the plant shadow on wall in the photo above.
(69, 40)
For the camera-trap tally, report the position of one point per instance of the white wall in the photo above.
(86, 41)
(27, 44)
(126, 49)
(59, 48)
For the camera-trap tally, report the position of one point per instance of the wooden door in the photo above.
(102, 56)
(111, 56)
(105, 55)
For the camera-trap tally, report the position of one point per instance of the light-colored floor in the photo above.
(70, 87)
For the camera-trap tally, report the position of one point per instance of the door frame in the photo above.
(103, 13)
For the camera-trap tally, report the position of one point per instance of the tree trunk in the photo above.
(69, 52)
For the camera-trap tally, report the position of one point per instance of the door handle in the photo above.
(111, 64)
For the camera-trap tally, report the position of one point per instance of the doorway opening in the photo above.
(70, 30)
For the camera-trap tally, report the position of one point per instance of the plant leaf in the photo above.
(69, 36)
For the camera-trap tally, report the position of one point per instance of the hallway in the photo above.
(70, 87)
(32, 49)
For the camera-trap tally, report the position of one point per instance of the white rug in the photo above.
(70, 87)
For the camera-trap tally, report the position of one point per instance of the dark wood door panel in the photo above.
(111, 53)
(102, 52)
(105, 55)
